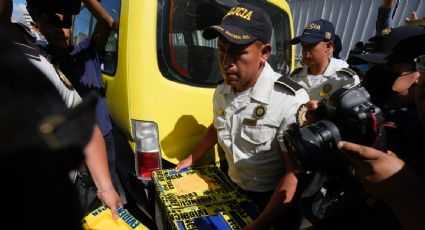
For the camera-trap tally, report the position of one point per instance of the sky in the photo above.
(19, 6)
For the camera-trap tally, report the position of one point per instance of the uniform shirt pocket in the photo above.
(257, 139)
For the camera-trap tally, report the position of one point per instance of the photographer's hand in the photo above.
(372, 166)
(391, 181)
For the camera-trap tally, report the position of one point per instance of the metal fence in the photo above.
(354, 20)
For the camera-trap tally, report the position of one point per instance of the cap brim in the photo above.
(376, 58)
(231, 33)
(305, 39)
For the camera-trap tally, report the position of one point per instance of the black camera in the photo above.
(349, 115)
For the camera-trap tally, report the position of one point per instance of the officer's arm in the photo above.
(104, 23)
(281, 198)
(207, 142)
(97, 163)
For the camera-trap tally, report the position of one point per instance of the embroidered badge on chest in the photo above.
(260, 111)
(63, 78)
(326, 90)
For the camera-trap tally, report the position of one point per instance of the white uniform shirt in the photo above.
(322, 86)
(248, 140)
(68, 94)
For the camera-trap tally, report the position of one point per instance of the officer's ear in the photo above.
(266, 49)
(329, 46)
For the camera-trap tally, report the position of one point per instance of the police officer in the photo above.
(321, 74)
(250, 107)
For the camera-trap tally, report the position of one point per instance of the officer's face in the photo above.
(420, 98)
(242, 64)
(55, 29)
(315, 53)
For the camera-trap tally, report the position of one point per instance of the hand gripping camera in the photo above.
(349, 116)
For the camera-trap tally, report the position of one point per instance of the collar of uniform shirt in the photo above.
(262, 88)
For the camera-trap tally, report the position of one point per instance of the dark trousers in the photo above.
(110, 149)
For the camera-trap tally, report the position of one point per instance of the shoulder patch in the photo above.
(63, 78)
(296, 71)
(347, 72)
(289, 84)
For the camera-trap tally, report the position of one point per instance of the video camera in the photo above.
(349, 115)
(70, 7)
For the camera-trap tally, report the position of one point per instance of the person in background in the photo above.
(386, 12)
(321, 74)
(82, 65)
(391, 84)
(388, 177)
(337, 47)
(94, 152)
(252, 105)
(42, 141)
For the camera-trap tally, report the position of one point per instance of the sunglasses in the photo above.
(420, 63)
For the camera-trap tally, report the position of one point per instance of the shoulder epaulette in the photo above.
(347, 72)
(296, 71)
(289, 84)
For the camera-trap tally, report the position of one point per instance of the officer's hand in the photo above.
(374, 168)
(184, 163)
(254, 226)
(413, 17)
(314, 111)
(110, 198)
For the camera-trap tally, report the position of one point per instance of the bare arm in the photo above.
(104, 23)
(97, 163)
(281, 198)
(207, 142)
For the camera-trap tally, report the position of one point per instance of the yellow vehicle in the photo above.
(160, 75)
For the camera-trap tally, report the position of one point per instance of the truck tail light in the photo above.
(147, 150)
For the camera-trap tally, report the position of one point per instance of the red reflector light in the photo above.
(147, 162)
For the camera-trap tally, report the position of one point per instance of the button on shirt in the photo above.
(248, 136)
(322, 86)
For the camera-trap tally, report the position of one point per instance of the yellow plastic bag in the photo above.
(101, 219)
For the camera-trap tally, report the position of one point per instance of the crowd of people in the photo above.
(253, 108)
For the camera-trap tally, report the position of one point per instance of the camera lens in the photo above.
(311, 146)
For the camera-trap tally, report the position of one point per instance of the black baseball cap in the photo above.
(395, 45)
(316, 31)
(242, 24)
